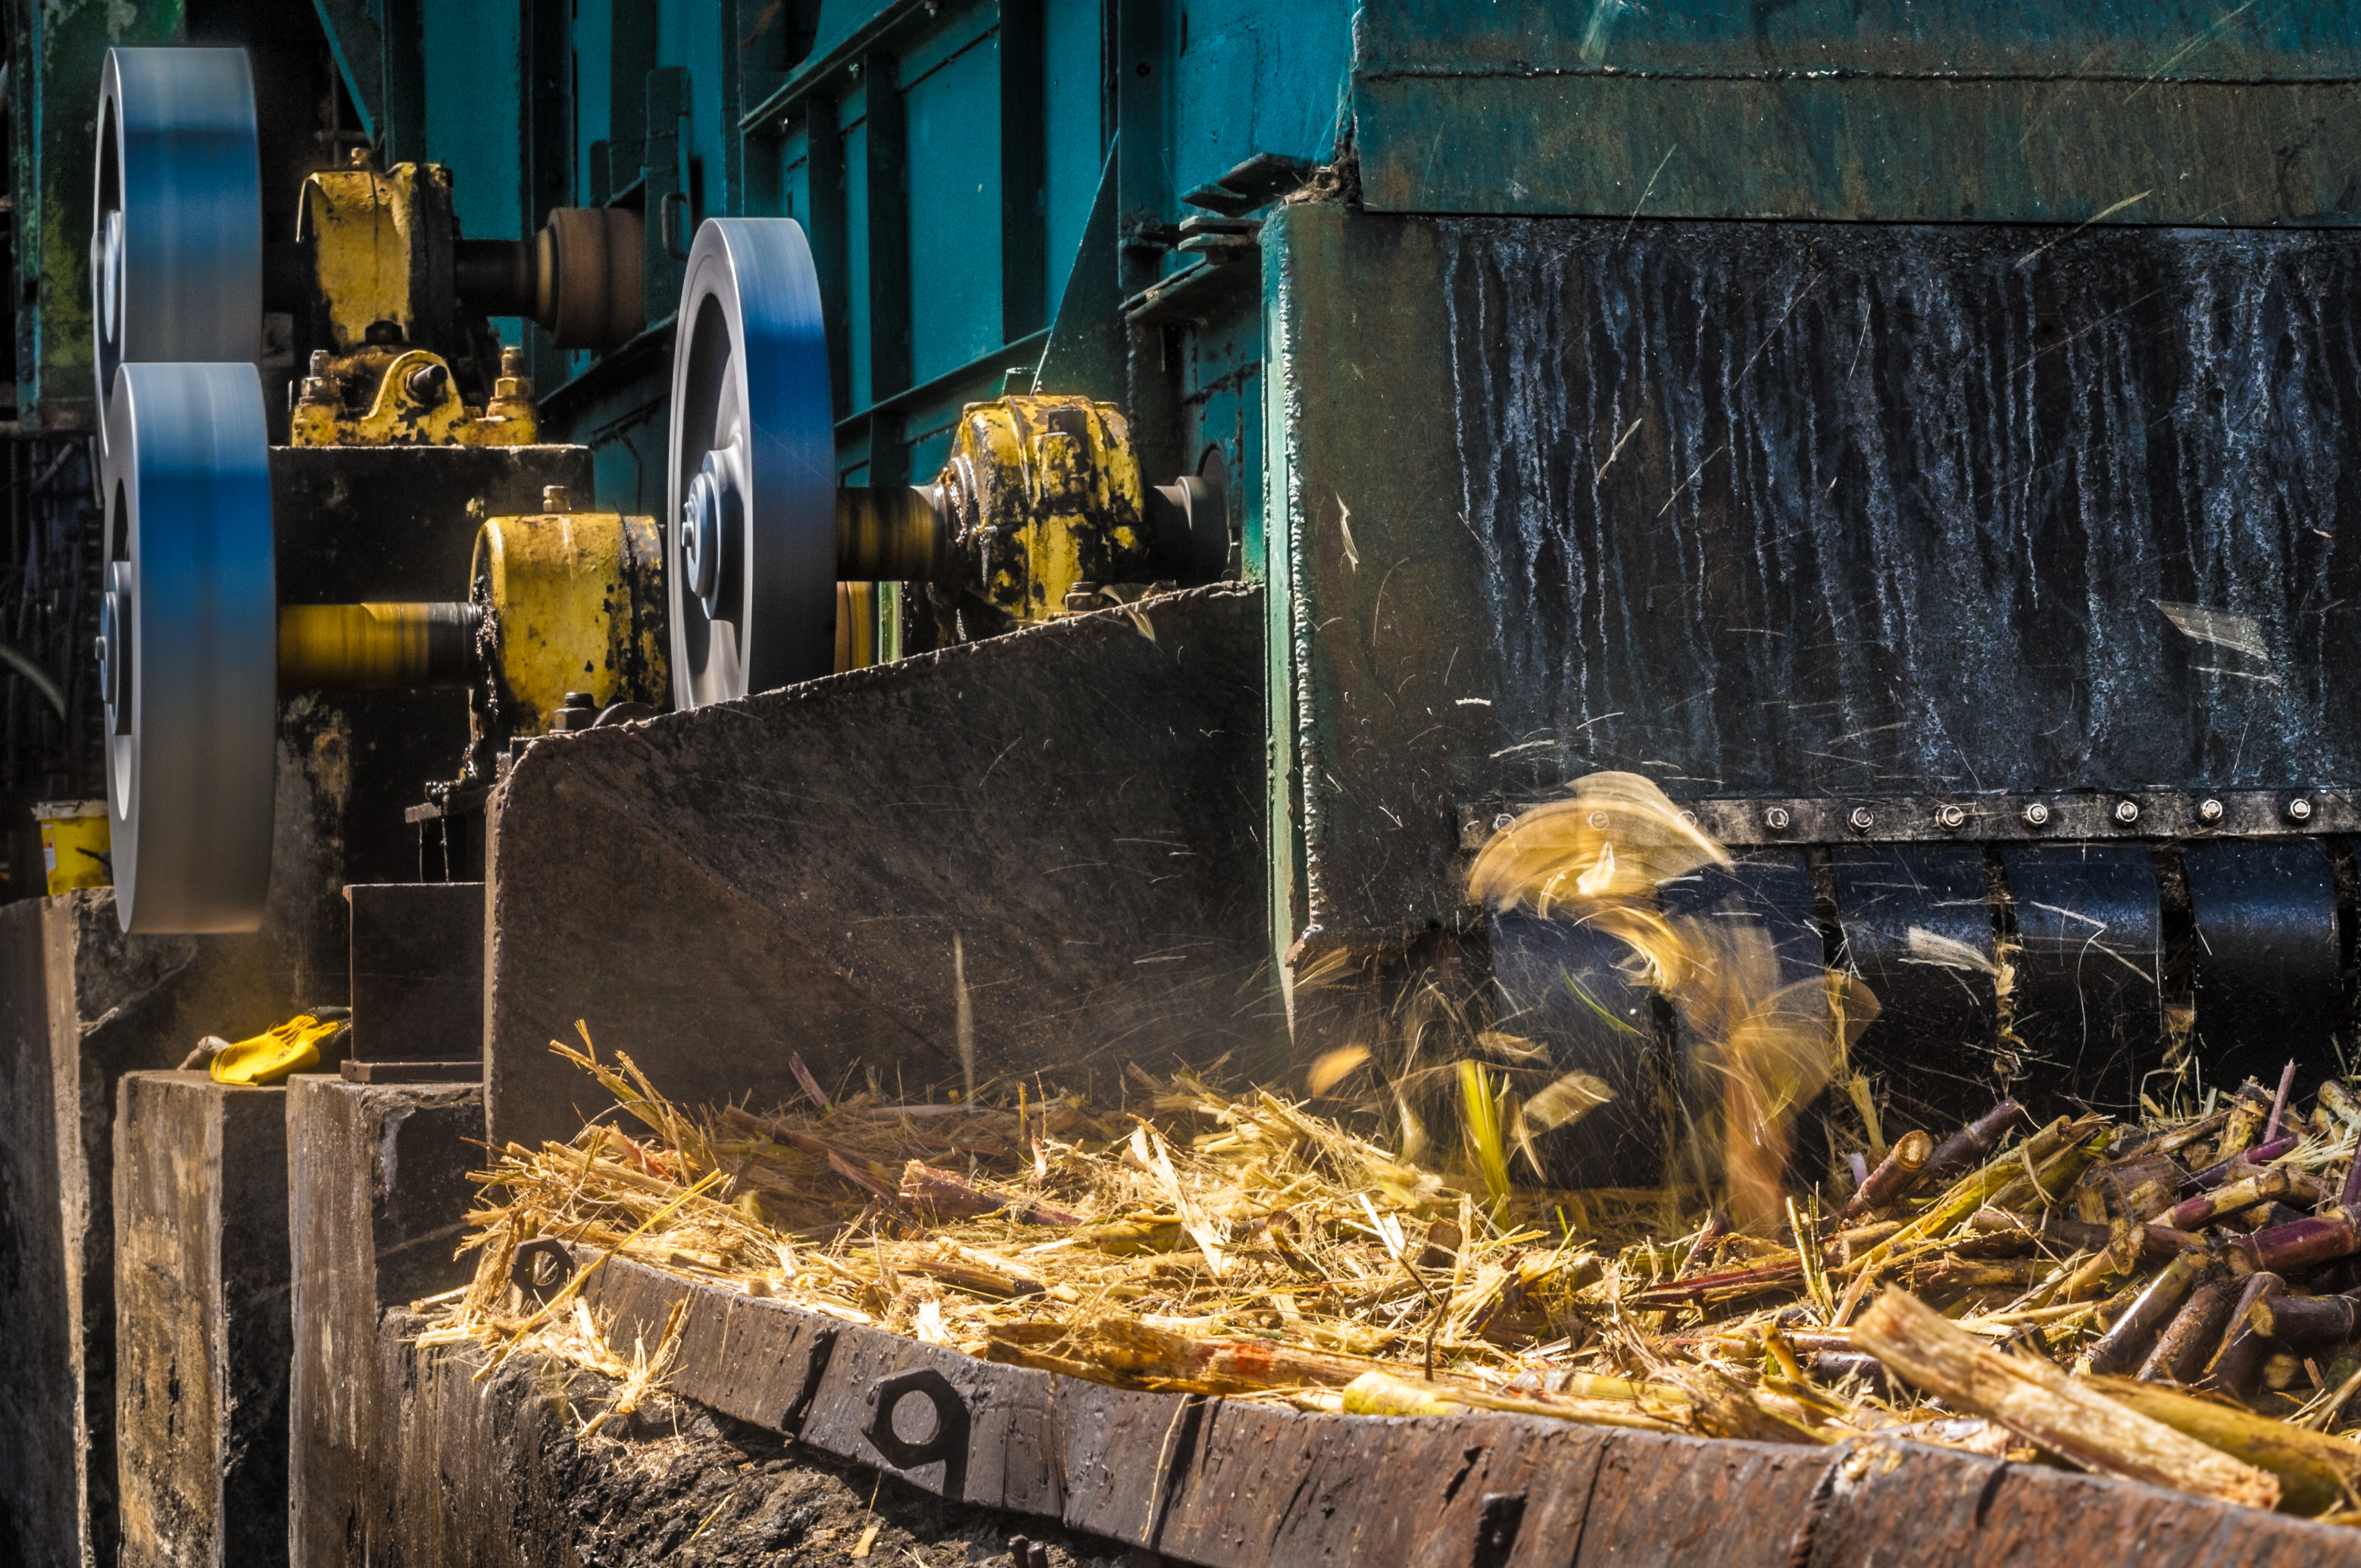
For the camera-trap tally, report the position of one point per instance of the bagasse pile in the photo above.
(2164, 1303)
(2136, 1300)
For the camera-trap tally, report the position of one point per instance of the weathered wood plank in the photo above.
(1230, 1484)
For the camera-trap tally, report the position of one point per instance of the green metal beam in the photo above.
(376, 45)
(2156, 112)
(59, 50)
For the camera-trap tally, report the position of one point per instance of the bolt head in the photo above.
(1777, 819)
(2299, 809)
(2209, 811)
(2127, 812)
(2036, 814)
(1861, 819)
(1949, 818)
(1503, 822)
(1599, 819)
(424, 384)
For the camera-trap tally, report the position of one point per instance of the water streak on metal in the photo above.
(1830, 508)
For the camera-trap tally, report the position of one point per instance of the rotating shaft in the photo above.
(891, 534)
(355, 647)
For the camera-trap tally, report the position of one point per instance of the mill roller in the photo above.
(1040, 511)
(749, 585)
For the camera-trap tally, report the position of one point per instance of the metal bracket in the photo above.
(1743, 821)
(949, 1441)
(2031, 817)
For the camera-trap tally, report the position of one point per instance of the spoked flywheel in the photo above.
(188, 649)
(752, 566)
(176, 238)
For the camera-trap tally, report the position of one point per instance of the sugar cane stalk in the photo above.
(2148, 1314)
(2288, 1249)
(2239, 1165)
(2054, 1176)
(2233, 1365)
(2315, 1472)
(2247, 1192)
(2158, 1243)
(2341, 1103)
(2306, 1320)
(1969, 1192)
(1971, 1142)
(2278, 1101)
(2247, 1114)
(1894, 1176)
(2038, 1402)
(1386, 1394)
(2188, 1341)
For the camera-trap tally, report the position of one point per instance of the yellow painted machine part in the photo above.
(856, 626)
(360, 222)
(75, 844)
(398, 417)
(333, 647)
(570, 593)
(1051, 497)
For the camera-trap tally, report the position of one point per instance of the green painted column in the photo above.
(52, 118)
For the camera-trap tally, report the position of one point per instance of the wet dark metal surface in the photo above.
(2143, 111)
(2087, 1005)
(1802, 510)
(1047, 843)
(1916, 927)
(2267, 960)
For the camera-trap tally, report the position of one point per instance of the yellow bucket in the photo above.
(74, 844)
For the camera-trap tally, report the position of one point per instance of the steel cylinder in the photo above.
(353, 647)
(890, 533)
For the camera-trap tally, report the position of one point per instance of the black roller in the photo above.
(2268, 963)
(1772, 891)
(1772, 888)
(2089, 1001)
(1563, 986)
(1933, 1045)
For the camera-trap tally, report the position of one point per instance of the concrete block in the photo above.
(203, 1335)
(80, 1005)
(378, 1199)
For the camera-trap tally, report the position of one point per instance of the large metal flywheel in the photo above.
(750, 572)
(188, 647)
(176, 237)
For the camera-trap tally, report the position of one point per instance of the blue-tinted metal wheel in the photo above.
(176, 235)
(751, 520)
(188, 647)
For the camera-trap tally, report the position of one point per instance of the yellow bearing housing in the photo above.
(574, 602)
(1046, 495)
